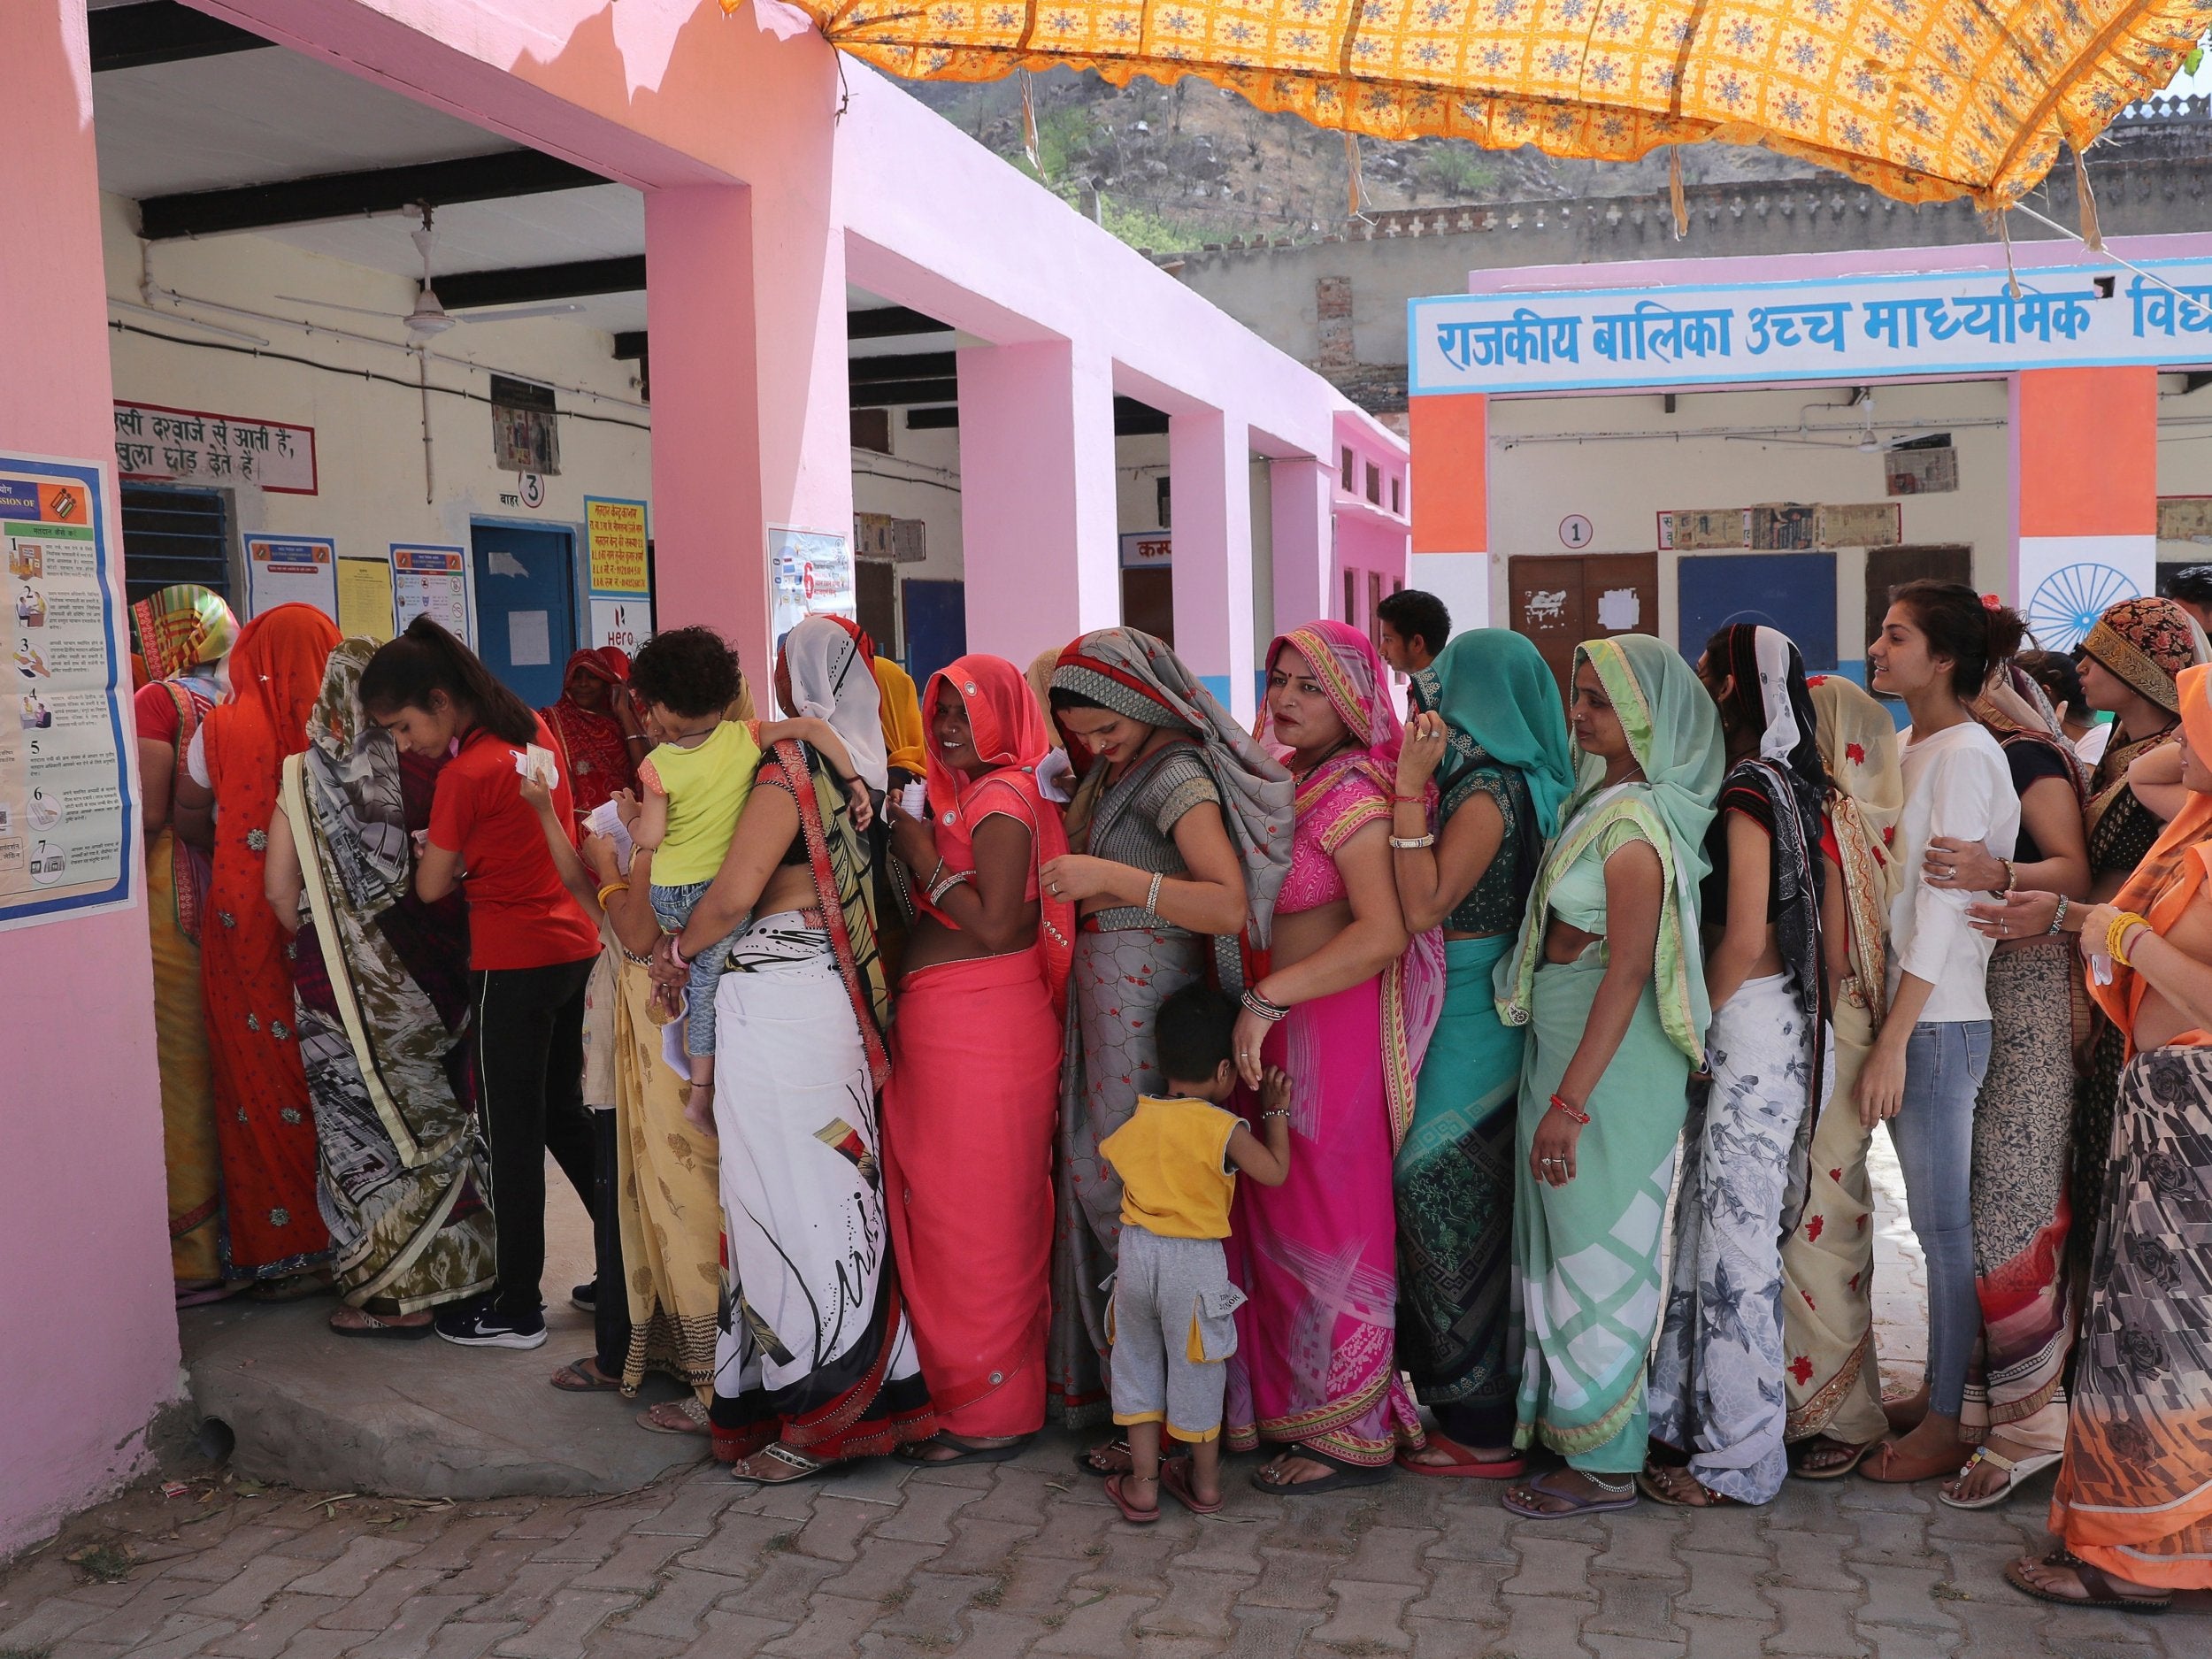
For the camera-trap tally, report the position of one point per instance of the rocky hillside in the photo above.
(1169, 168)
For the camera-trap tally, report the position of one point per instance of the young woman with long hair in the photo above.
(531, 948)
(1936, 647)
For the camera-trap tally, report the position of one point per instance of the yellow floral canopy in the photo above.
(1923, 100)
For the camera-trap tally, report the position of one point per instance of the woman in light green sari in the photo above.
(1609, 977)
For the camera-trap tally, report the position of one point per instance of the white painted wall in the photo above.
(1621, 483)
(368, 434)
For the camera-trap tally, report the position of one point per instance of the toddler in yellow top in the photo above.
(1172, 1318)
(695, 784)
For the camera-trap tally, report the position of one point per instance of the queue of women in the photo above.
(1585, 1052)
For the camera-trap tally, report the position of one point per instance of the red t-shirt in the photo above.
(520, 916)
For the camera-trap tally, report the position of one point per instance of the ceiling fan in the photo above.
(430, 318)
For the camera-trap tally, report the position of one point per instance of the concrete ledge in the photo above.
(421, 1419)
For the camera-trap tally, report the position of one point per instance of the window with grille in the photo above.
(175, 535)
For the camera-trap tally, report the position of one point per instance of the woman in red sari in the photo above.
(264, 1124)
(596, 727)
(969, 1123)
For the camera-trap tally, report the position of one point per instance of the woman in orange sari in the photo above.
(273, 1230)
(974, 1101)
(2133, 1506)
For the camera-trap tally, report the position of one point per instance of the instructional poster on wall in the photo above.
(431, 581)
(615, 545)
(292, 570)
(811, 572)
(66, 806)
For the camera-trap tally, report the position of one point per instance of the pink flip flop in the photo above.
(1130, 1512)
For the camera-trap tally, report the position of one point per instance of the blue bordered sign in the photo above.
(1849, 328)
(68, 810)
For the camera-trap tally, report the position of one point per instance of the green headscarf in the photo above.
(1673, 730)
(1499, 704)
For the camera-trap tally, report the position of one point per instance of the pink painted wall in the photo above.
(762, 201)
(86, 1315)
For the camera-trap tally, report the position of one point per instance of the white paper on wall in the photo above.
(529, 639)
(1619, 610)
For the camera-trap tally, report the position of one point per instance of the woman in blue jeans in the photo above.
(1925, 1069)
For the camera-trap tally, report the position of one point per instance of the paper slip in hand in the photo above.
(537, 762)
(605, 819)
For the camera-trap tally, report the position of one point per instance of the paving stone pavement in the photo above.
(1028, 1558)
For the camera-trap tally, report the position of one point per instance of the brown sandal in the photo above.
(2101, 1588)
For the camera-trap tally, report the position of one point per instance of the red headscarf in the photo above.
(1009, 733)
(595, 758)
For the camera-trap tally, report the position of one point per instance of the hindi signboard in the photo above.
(190, 446)
(1847, 328)
(614, 537)
(68, 841)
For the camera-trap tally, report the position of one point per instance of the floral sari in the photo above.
(383, 994)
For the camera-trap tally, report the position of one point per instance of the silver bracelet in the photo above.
(2058, 921)
(1411, 843)
(1152, 898)
(937, 894)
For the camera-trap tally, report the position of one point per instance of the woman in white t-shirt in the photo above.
(1925, 1068)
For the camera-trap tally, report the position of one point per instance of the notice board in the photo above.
(68, 843)
(1793, 592)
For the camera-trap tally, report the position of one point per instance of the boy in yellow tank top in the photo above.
(1173, 1317)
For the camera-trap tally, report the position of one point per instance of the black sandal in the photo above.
(964, 1451)
(1110, 1448)
(1342, 1476)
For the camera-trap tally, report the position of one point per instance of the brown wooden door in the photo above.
(1147, 604)
(876, 600)
(1889, 567)
(1559, 602)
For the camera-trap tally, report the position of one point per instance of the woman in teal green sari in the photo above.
(1607, 974)
(1489, 732)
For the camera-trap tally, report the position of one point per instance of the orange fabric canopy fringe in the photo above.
(1923, 100)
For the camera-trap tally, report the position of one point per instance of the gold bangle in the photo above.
(611, 887)
(2116, 934)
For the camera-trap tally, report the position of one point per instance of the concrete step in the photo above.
(424, 1419)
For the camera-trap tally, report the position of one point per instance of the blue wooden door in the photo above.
(525, 607)
(1793, 592)
(936, 625)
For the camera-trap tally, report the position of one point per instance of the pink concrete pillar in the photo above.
(1209, 469)
(1039, 544)
(751, 427)
(1300, 499)
(87, 1312)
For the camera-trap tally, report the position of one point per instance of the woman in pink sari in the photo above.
(1346, 1009)
(974, 1095)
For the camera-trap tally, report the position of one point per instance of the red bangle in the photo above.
(1407, 800)
(1559, 1105)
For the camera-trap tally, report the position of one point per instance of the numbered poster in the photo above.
(811, 574)
(66, 842)
(431, 581)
